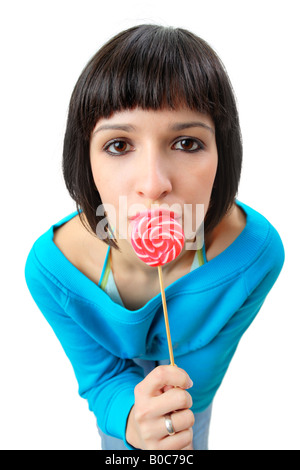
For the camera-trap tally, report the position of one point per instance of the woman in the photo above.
(153, 120)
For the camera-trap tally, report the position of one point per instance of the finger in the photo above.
(181, 421)
(173, 400)
(190, 447)
(162, 376)
(179, 441)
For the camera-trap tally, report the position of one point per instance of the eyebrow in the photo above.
(119, 127)
(176, 127)
(186, 125)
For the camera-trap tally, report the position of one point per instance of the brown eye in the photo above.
(117, 147)
(188, 145)
(120, 146)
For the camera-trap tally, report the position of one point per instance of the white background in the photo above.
(44, 47)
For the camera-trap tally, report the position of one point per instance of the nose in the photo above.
(153, 177)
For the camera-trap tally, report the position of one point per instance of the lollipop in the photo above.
(157, 238)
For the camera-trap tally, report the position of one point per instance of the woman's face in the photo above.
(167, 158)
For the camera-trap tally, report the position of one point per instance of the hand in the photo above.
(155, 397)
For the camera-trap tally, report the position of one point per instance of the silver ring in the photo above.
(169, 425)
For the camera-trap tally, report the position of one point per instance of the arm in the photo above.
(106, 381)
(114, 387)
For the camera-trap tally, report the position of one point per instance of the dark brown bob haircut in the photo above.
(152, 67)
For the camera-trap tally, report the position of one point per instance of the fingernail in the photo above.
(190, 383)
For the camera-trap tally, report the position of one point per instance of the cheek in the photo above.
(211, 171)
(212, 165)
(211, 176)
(95, 172)
(108, 177)
(198, 187)
(203, 177)
(101, 181)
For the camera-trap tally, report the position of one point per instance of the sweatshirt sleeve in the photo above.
(105, 381)
(258, 280)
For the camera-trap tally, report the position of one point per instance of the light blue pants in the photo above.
(200, 428)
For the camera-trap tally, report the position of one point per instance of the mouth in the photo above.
(156, 212)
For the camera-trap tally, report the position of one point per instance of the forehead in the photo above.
(135, 119)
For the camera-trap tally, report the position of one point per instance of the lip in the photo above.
(156, 212)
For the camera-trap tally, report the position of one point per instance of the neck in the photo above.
(126, 260)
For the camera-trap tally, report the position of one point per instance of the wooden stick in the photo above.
(166, 315)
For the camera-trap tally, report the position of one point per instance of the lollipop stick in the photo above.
(166, 315)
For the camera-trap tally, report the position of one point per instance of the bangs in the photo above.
(151, 68)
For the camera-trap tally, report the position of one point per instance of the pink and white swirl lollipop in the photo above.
(157, 237)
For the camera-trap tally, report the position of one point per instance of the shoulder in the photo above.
(250, 246)
(60, 262)
(261, 234)
(226, 232)
(245, 230)
(44, 250)
(45, 260)
(266, 247)
(67, 237)
(81, 248)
